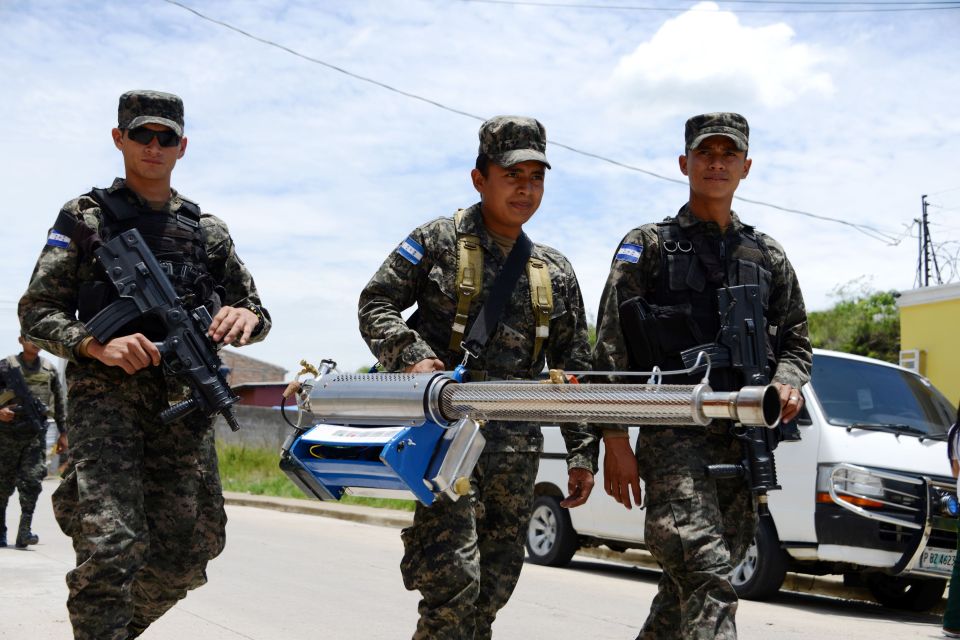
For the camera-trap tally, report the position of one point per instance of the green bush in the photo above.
(863, 322)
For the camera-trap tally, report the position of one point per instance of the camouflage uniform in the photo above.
(22, 459)
(465, 556)
(697, 528)
(141, 500)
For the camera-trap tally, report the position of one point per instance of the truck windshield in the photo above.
(864, 394)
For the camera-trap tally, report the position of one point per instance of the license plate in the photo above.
(939, 560)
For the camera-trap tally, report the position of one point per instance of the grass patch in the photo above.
(256, 471)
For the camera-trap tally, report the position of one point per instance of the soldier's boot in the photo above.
(24, 536)
(3, 524)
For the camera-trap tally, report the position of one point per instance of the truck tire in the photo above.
(764, 567)
(898, 592)
(551, 539)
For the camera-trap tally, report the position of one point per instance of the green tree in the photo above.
(863, 321)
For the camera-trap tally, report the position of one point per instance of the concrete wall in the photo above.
(259, 427)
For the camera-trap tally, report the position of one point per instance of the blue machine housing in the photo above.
(327, 459)
(391, 458)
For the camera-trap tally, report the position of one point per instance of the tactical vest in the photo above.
(38, 382)
(693, 266)
(177, 242)
(470, 283)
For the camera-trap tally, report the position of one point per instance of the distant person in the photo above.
(465, 556)
(670, 274)
(141, 499)
(951, 616)
(23, 436)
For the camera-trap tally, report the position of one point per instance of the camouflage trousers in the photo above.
(22, 466)
(698, 530)
(465, 557)
(142, 502)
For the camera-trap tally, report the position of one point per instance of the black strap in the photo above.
(503, 286)
(86, 239)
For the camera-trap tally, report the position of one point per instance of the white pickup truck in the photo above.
(867, 492)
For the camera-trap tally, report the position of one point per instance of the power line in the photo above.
(936, 193)
(872, 232)
(876, 7)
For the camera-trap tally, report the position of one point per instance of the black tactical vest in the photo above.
(693, 266)
(177, 242)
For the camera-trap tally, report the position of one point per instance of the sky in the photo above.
(319, 175)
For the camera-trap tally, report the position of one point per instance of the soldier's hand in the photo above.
(791, 401)
(62, 445)
(579, 486)
(620, 474)
(130, 353)
(427, 365)
(7, 414)
(233, 324)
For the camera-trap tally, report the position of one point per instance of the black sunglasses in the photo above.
(144, 136)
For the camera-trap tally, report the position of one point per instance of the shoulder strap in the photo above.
(541, 297)
(86, 239)
(116, 208)
(469, 280)
(499, 293)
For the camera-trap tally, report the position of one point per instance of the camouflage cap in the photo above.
(141, 107)
(731, 125)
(508, 140)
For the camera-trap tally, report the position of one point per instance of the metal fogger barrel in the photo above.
(411, 399)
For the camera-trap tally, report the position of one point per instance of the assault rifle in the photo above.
(187, 351)
(743, 334)
(30, 406)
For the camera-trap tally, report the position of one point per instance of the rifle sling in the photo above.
(500, 291)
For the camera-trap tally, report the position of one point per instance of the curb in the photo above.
(353, 513)
(830, 586)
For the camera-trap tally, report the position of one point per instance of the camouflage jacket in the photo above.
(48, 309)
(43, 379)
(430, 283)
(629, 279)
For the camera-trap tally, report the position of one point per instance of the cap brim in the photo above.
(736, 137)
(517, 156)
(142, 120)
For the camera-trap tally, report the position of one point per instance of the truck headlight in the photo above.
(851, 485)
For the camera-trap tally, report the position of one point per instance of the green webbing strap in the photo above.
(469, 280)
(541, 297)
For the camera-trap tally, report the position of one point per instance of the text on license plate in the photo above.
(940, 560)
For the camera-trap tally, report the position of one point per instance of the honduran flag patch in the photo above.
(629, 252)
(411, 250)
(56, 239)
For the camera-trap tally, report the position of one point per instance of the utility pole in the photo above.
(927, 254)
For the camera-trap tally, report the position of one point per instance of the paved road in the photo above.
(290, 575)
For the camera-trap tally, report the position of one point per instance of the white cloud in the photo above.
(708, 52)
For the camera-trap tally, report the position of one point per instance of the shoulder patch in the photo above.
(411, 250)
(629, 252)
(57, 239)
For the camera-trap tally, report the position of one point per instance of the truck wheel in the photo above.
(551, 539)
(764, 566)
(912, 594)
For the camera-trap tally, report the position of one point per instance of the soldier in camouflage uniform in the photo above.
(22, 443)
(697, 528)
(141, 500)
(465, 556)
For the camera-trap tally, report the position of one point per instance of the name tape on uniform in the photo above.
(56, 239)
(411, 250)
(629, 252)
